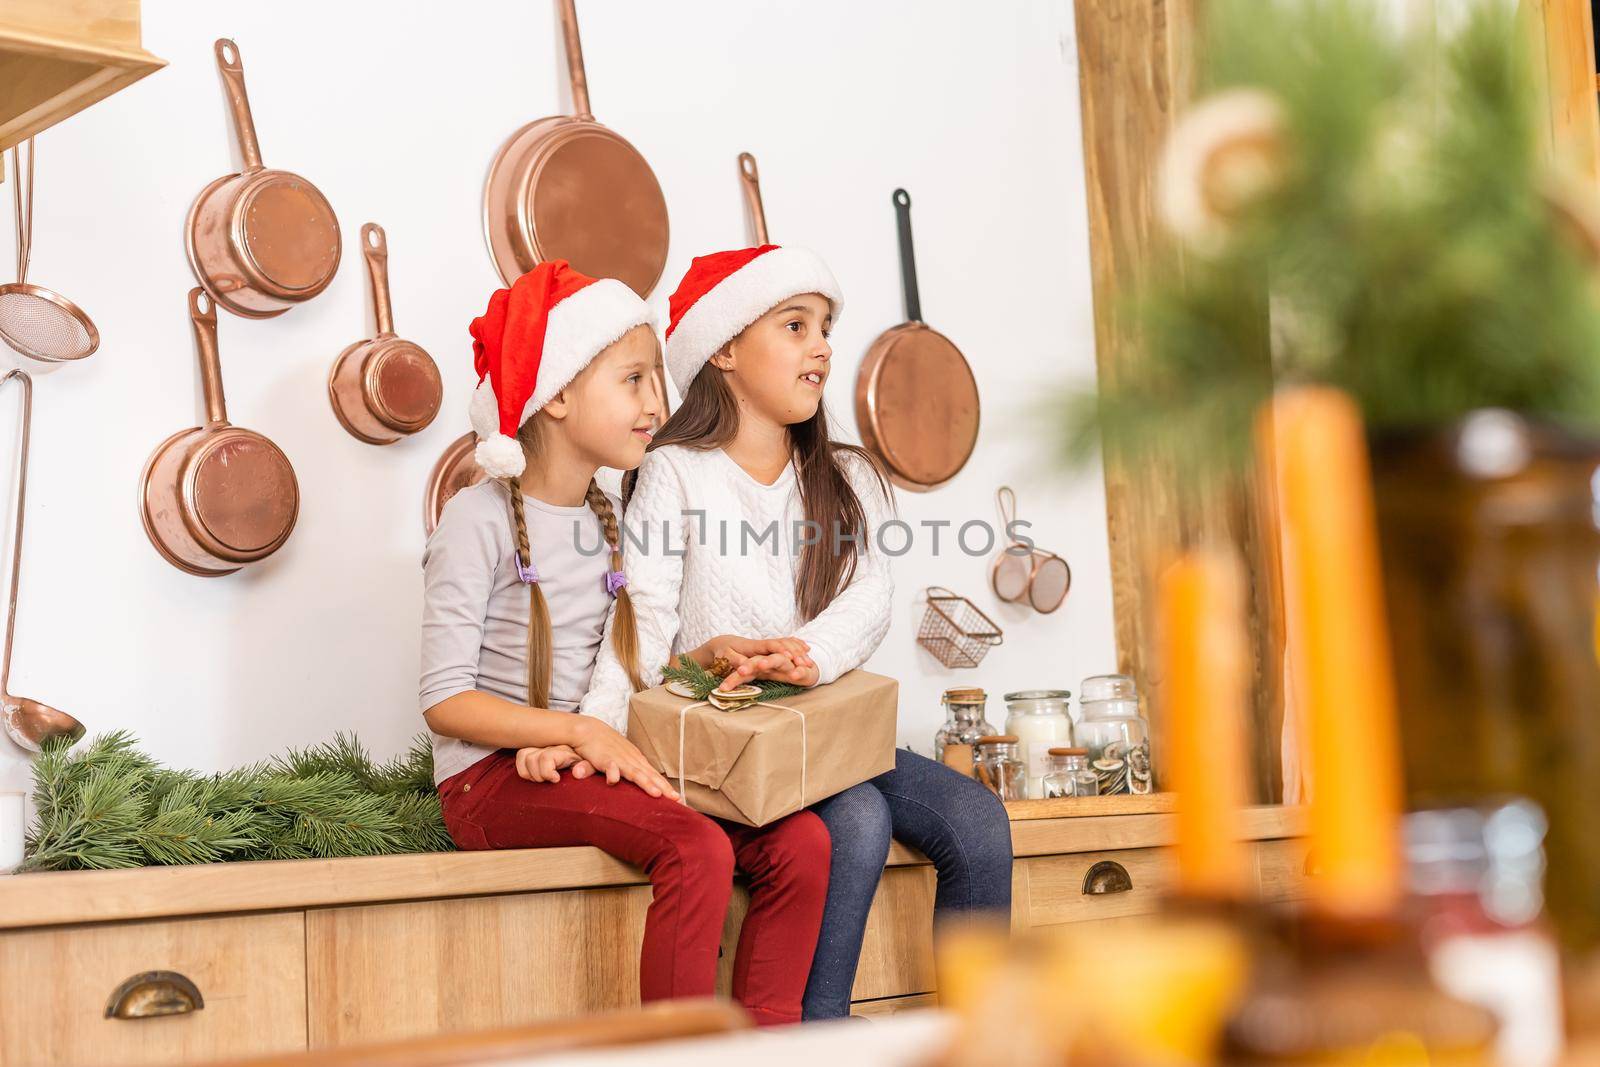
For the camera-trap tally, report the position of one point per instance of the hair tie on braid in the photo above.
(615, 580)
(526, 571)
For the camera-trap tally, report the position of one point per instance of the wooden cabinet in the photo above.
(327, 953)
(56, 984)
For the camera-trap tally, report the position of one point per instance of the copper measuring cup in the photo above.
(566, 187)
(260, 241)
(1026, 573)
(28, 722)
(385, 388)
(216, 497)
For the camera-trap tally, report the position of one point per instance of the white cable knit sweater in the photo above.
(731, 570)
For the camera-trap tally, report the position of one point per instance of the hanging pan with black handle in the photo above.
(916, 398)
(566, 187)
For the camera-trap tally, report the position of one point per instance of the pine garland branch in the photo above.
(703, 681)
(110, 805)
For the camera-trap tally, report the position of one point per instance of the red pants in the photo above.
(690, 859)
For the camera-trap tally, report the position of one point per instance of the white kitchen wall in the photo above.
(394, 111)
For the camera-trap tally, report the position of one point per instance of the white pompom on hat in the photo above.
(530, 344)
(726, 291)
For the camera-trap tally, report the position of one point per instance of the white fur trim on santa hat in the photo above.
(740, 299)
(579, 329)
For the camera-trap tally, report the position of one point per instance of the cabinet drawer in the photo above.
(1281, 868)
(1090, 885)
(56, 983)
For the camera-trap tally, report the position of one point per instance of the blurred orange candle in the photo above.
(1338, 648)
(1205, 664)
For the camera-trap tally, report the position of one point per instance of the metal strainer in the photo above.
(38, 322)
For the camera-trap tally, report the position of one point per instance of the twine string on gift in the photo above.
(683, 716)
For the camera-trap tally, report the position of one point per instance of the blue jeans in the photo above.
(952, 819)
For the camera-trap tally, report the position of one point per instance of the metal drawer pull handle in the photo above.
(1107, 876)
(153, 994)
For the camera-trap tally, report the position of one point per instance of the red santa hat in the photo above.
(726, 291)
(529, 345)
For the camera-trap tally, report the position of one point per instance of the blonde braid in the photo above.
(539, 650)
(625, 630)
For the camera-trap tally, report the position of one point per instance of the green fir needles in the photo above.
(110, 805)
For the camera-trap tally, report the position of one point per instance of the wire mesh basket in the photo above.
(955, 631)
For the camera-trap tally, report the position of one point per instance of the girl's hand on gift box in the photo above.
(775, 666)
(736, 649)
(609, 753)
(546, 764)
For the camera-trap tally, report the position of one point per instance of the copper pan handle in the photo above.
(908, 258)
(203, 314)
(580, 81)
(231, 65)
(375, 247)
(751, 179)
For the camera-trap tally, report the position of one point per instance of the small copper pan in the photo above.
(260, 241)
(386, 388)
(455, 471)
(216, 497)
(916, 398)
(566, 187)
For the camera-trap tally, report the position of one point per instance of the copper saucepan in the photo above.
(916, 398)
(566, 187)
(260, 241)
(455, 471)
(216, 497)
(385, 388)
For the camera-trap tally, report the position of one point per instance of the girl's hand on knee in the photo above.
(609, 753)
(546, 764)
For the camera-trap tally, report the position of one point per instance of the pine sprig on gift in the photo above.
(109, 805)
(703, 681)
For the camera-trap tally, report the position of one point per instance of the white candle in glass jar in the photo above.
(1039, 719)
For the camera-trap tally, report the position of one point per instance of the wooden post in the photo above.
(1135, 60)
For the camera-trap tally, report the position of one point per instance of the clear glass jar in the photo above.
(999, 766)
(1116, 735)
(1067, 774)
(963, 725)
(1039, 719)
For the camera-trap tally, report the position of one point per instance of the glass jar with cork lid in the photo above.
(964, 723)
(998, 765)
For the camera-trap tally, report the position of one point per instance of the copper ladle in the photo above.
(29, 723)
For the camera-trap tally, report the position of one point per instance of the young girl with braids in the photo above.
(749, 450)
(522, 576)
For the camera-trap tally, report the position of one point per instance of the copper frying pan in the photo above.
(916, 398)
(216, 497)
(260, 241)
(566, 187)
(385, 388)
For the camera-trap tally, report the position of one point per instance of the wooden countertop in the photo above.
(1039, 827)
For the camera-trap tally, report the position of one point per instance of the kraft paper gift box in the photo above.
(768, 760)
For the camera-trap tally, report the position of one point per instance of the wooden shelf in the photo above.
(1079, 807)
(55, 898)
(59, 56)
